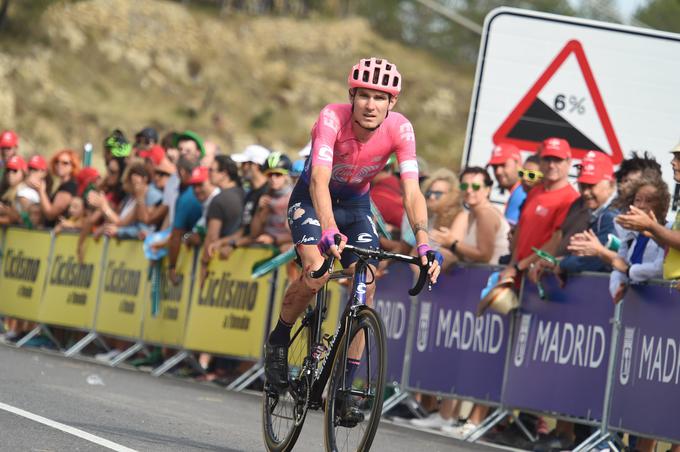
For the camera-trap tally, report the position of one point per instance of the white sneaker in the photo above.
(108, 356)
(460, 431)
(434, 421)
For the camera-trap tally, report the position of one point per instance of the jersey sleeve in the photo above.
(324, 135)
(405, 138)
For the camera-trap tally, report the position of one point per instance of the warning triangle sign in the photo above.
(565, 102)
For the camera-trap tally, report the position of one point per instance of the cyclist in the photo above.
(351, 143)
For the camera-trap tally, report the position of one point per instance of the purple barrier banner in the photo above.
(454, 351)
(393, 303)
(561, 348)
(646, 387)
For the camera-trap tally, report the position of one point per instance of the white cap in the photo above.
(305, 151)
(253, 153)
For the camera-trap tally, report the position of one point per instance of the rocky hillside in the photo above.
(94, 65)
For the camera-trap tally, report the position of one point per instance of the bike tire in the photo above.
(374, 368)
(277, 436)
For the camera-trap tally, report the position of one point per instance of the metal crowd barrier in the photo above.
(559, 355)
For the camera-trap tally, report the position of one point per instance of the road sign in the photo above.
(601, 86)
(548, 110)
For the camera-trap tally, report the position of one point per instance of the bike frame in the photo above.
(355, 302)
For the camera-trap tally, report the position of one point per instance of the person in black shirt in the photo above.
(64, 165)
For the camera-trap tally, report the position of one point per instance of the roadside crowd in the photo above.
(179, 190)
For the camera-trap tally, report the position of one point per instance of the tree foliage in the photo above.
(660, 14)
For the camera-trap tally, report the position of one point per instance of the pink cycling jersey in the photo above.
(353, 163)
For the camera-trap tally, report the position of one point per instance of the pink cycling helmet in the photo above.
(377, 74)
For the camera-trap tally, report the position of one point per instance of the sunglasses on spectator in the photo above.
(275, 174)
(161, 173)
(64, 162)
(435, 193)
(529, 175)
(475, 187)
(10, 170)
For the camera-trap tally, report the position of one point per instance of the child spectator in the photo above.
(530, 174)
(12, 179)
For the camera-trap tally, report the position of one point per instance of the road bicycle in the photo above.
(317, 374)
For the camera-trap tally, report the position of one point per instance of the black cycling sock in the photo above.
(281, 333)
(350, 369)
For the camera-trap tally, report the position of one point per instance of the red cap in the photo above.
(503, 152)
(199, 175)
(38, 162)
(85, 177)
(16, 163)
(595, 167)
(9, 139)
(155, 153)
(556, 147)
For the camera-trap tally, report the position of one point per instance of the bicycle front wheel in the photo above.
(283, 413)
(355, 397)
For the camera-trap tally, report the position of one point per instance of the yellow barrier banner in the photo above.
(229, 313)
(168, 325)
(121, 297)
(70, 296)
(335, 302)
(24, 266)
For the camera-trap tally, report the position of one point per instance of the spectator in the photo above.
(252, 159)
(187, 213)
(12, 180)
(270, 224)
(505, 161)
(161, 174)
(169, 143)
(37, 171)
(545, 208)
(639, 258)
(116, 146)
(631, 170)
(598, 189)
(144, 140)
(444, 204)
(124, 222)
(205, 192)
(74, 219)
(190, 147)
(9, 145)
(638, 220)
(387, 196)
(64, 165)
(225, 212)
(483, 232)
(530, 174)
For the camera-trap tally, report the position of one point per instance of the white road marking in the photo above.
(66, 429)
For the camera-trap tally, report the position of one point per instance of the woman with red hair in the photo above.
(64, 165)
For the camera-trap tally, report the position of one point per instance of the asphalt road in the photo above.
(133, 410)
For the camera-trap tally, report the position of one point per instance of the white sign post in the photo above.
(601, 86)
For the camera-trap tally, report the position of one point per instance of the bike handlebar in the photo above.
(380, 255)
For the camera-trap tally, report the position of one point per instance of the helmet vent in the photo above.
(376, 75)
(386, 80)
(365, 76)
(355, 76)
(388, 67)
(395, 82)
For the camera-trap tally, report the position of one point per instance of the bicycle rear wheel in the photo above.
(283, 414)
(365, 390)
